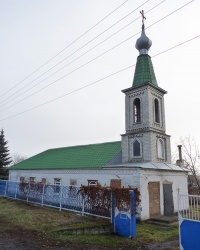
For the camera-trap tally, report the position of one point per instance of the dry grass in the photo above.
(19, 214)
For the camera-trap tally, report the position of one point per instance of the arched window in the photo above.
(136, 111)
(160, 148)
(157, 111)
(137, 148)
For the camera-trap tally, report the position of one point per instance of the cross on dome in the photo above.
(143, 43)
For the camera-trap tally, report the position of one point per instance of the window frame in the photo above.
(73, 189)
(137, 111)
(160, 148)
(92, 183)
(157, 111)
(22, 179)
(32, 179)
(140, 144)
(44, 180)
(57, 184)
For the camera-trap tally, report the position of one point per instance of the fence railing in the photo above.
(189, 207)
(61, 197)
(189, 221)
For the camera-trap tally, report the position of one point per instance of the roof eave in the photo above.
(143, 85)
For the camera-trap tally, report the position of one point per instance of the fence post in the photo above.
(133, 215)
(43, 194)
(28, 191)
(83, 207)
(113, 210)
(16, 190)
(6, 188)
(61, 191)
(179, 216)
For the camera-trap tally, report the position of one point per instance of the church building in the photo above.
(141, 159)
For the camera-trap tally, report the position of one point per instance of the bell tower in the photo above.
(145, 139)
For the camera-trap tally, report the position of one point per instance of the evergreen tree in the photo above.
(5, 159)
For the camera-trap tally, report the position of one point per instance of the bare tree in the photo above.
(191, 158)
(16, 158)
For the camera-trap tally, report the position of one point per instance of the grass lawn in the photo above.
(25, 216)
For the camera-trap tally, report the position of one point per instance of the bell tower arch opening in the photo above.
(156, 110)
(136, 111)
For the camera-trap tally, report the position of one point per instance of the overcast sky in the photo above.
(33, 32)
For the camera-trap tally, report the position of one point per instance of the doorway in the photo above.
(168, 199)
(154, 198)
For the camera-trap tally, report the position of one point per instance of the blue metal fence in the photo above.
(70, 198)
(61, 197)
(189, 221)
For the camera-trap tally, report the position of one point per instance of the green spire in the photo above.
(144, 71)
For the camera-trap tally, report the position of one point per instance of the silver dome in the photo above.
(143, 43)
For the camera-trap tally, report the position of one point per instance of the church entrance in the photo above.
(154, 198)
(168, 199)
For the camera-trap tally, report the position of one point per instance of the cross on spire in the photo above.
(143, 17)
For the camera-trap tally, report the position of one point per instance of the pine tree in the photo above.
(5, 159)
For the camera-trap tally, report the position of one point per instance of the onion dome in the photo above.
(143, 43)
(144, 72)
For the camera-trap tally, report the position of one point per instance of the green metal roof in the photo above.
(84, 156)
(144, 71)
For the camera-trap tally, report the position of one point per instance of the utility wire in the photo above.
(66, 47)
(71, 61)
(91, 60)
(106, 77)
(187, 41)
(76, 52)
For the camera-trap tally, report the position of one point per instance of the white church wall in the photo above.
(127, 177)
(179, 183)
(137, 178)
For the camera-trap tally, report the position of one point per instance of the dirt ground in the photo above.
(20, 240)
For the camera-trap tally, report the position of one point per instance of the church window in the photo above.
(157, 111)
(160, 148)
(44, 180)
(57, 182)
(92, 182)
(136, 111)
(22, 179)
(137, 148)
(73, 189)
(73, 182)
(32, 179)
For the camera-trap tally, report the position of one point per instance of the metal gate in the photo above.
(189, 221)
(124, 218)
